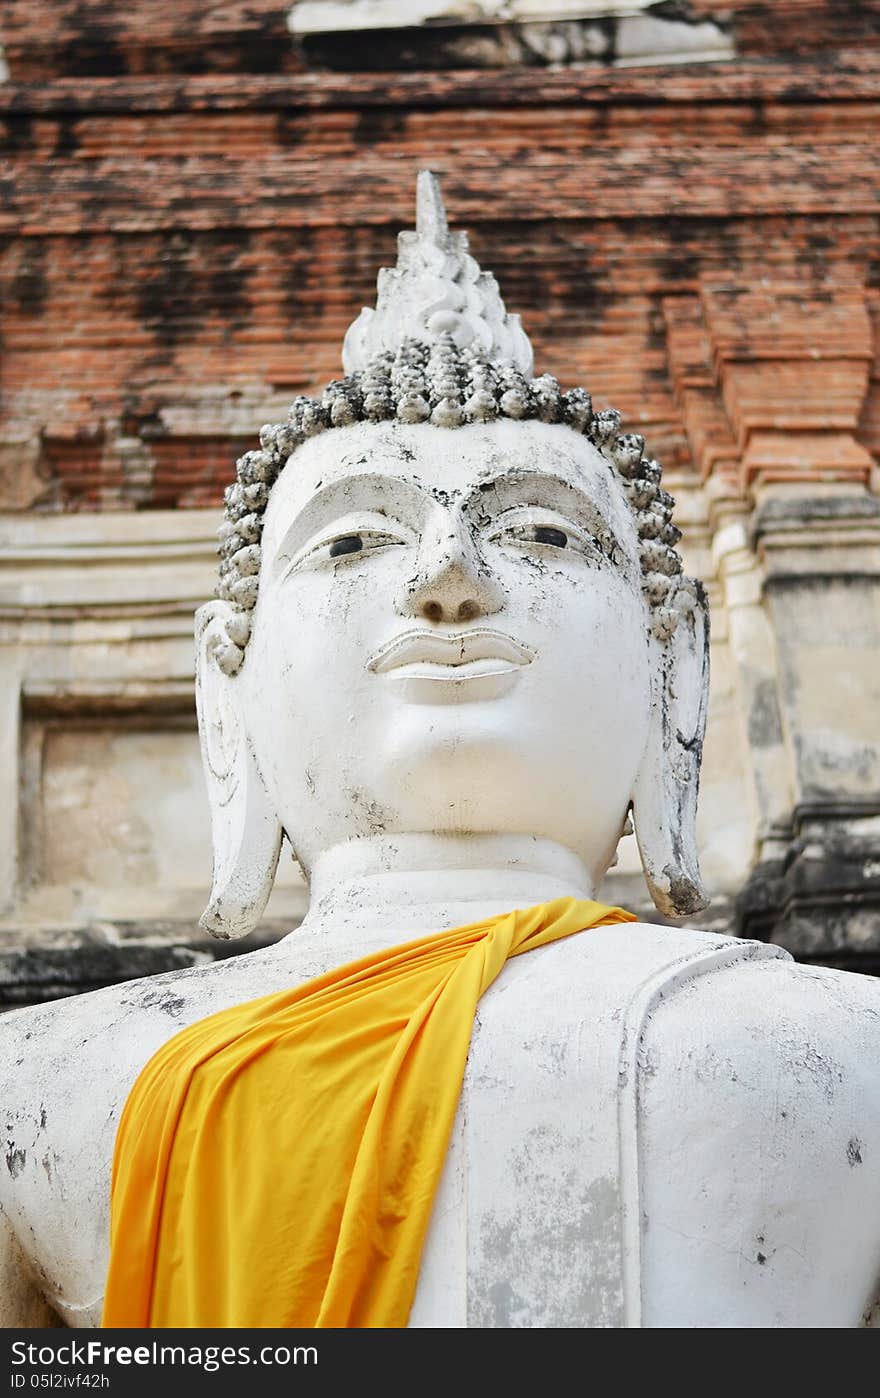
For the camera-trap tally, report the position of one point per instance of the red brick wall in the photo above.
(190, 218)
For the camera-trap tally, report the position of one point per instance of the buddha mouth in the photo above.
(438, 667)
(457, 649)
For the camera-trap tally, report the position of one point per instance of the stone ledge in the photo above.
(798, 80)
(107, 563)
(83, 959)
(793, 511)
(818, 895)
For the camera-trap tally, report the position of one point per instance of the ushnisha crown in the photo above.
(440, 347)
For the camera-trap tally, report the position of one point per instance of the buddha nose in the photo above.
(451, 583)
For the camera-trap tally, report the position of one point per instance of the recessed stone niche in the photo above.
(115, 826)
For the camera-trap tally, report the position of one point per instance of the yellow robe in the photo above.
(276, 1163)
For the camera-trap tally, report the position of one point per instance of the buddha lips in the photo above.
(276, 1163)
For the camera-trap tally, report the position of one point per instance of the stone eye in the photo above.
(544, 534)
(349, 543)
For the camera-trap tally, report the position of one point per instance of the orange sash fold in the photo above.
(276, 1163)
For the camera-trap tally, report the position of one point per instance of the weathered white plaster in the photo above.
(638, 38)
(645, 39)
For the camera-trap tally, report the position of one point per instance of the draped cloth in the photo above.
(276, 1163)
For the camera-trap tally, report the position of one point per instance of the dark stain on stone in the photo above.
(679, 264)
(197, 278)
(854, 1151)
(164, 1000)
(764, 724)
(172, 1004)
(29, 289)
(680, 10)
(225, 291)
(15, 1161)
(302, 289)
(164, 297)
(380, 127)
(17, 133)
(683, 893)
(66, 137)
(430, 47)
(141, 419)
(694, 743)
(95, 56)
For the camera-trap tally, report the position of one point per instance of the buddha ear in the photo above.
(245, 829)
(664, 800)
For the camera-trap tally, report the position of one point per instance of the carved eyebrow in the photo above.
(510, 489)
(348, 495)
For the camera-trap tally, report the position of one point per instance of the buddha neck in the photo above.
(376, 891)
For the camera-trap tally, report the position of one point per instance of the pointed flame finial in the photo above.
(431, 221)
(436, 289)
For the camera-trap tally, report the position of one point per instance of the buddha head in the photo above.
(449, 603)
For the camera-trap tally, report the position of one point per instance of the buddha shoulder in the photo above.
(698, 1006)
(66, 1066)
(767, 1052)
(744, 1008)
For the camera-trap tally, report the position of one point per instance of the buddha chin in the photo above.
(467, 768)
(499, 766)
(510, 747)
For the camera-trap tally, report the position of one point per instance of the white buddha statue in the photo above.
(452, 653)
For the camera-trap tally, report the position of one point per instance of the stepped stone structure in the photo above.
(681, 202)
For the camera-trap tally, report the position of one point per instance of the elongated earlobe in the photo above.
(245, 830)
(665, 792)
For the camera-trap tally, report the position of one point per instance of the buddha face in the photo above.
(450, 636)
